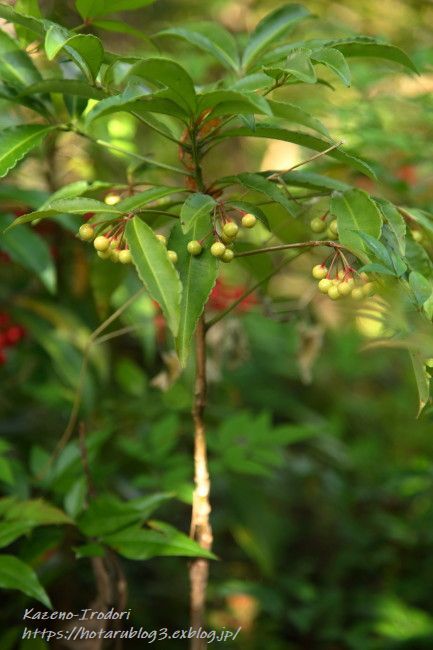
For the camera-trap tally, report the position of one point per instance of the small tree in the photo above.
(179, 229)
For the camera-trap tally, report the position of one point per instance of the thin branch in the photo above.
(277, 175)
(282, 247)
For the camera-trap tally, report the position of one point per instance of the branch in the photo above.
(277, 175)
(282, 247)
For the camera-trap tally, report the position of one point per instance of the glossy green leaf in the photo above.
(35, 512)
(396, 224)
(374, 267)
(211, 38)
(137, 543)
(273, 27)
(10, 531)
(298, 65)
(335, 61)
(155, 270)
(301, 139)
(16, 67)
(223, 102)
(198, 276)
(15, 574)
(95, 8)
(107, 513)
(259, 184)
(376, 247)
(146, 199)
(293, 113)
(162, 72)
(84, 49)
(194, 207)
(29, 250)
(137, 101)
(422, 378)
(17, 141)
(313, 181)
(421, 287)
(355, 211)
(29, 22)
(68, 206)
(65, 87)
(369, 47)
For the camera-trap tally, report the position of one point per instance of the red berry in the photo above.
(2, 358)
(13, 335)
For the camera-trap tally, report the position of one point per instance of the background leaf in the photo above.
(17, 141)
(15, 574)
(355, 211)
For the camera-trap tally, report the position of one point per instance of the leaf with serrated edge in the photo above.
(17, 141)
(15, 574)
(354, 211)
(155, 270)
(195, 206)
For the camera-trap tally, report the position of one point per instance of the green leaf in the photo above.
(293, 113)
(29, 22)
(370, 47)
(194, 207)
(373, 267)
(35, 512)
(16, 67)
(67, 206)
(302, 139)
(137, 101)
(155, 270)
(9, 532)
(421, 287)
(270, 189)
(376, 247)
(252, 209)
(29, 250)
(313, 181)
(422, 217)
(163, 72)
(396, 224)
(142, 199)
(95, 8)
(211, 38)
(335, 61)
(273, 27)
(355, 211)
(422, 378)
(15, 574)
(65, 87)
(198, 275)
(107, 513)
(84, 49)
(417, 258)
(17, 141)
(137, 543)
(120, 27)
(223, 102)
(298, 65)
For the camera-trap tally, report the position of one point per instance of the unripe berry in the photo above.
(325, 285)
(226, 240)
(357, 293)
(345, 287)
(368, 289)
(194, 247)
(231, 229)
(217, 249)
(333, 227)
(227, 256)
(162, 239)
(125, 256)
(86, 232)
(417, 235)
(319, 271)
(114, 243)
(104, 255)
(101, 243)
(317, 225)
(249, 220)
(334, 292)
(329, 234)
(172, 256)
(114, 255)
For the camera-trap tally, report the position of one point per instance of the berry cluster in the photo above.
(109, 246)
(341, 283)
(10, 335)
(321, 224)
(224, 237)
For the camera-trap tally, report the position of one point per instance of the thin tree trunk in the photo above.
(201, 530)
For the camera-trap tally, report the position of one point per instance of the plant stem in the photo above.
(282, 247)
(201, 530)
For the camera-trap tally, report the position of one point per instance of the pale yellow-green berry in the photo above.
(125, 256)
(249, 220)
(333, 227)
(227, 256)
(101, 243)
(319, 271)
(334, 292)
(231, 229)
(86, 232)
(172, 256)
(162, 239)
(357, 293)
(194, 247)
(317, 225)
(325, 285)
(217, 249)
(104, 255)
(345, 287)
